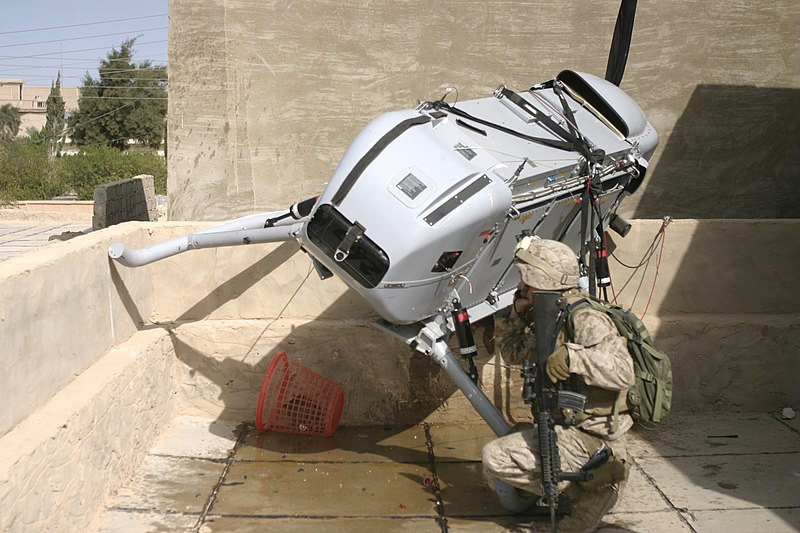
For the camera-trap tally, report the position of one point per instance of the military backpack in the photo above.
(650, 398)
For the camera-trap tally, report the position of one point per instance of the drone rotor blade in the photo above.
(621, 42)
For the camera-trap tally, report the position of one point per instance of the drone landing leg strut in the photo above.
(445, 358)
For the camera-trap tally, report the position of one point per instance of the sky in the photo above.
(40, 37)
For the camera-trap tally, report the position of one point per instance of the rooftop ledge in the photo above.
(102, 361)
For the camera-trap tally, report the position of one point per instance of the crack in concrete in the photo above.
(329, 462)
(192, 457)
(750, 508)
(149, 510)
(664, 497)
(728, 454)
(228, 462)
(783, 422)
(318, 517)
(437, 491)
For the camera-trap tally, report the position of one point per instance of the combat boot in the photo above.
(588, 508)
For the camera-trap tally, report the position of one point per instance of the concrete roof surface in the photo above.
(18, 237)
(695, 473)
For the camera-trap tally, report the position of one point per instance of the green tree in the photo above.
(128, 101)
(54, 128)
(9, 122)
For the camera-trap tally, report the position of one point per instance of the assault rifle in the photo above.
(545, 398)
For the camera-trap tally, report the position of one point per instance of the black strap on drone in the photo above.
(552, 143)
(374, 152)
(577, 142)
(588, 209)
(557, 89)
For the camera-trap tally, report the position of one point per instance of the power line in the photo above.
(88, 62)
(111, 76)
(83, 24)
(26, 67)
(29, 83)
(29, 79)
(110, 73)
(81, 50)
(84, 59)
(82, 38)
(81, 89)
(68, 131)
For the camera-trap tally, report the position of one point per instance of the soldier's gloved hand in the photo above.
(558, 365)
(615, 470)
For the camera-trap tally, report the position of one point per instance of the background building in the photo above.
(31, 100)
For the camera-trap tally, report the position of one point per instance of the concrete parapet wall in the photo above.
(71, 305)
(111, 351)
(705, 277)
(716, 298)
(710, 267)
(700, 282)
(58, 466)
(64, 306)
(132, 199)
(732, 362)
(720, 361)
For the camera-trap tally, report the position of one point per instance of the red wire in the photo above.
(658, 264)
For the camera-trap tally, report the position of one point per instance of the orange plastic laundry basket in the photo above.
(293, 399)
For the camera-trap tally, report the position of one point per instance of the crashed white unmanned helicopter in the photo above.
(423, 214)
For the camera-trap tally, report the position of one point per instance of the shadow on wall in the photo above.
(732, 154)
(722, 307)
(726, 311)
(238, 379)
(389, 382)
(728, 318)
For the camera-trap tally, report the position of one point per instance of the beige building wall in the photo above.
(31, 100)
(266, 96)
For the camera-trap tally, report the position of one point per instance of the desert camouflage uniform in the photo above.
(513, 338)
(601, 367)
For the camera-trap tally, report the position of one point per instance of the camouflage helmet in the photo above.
(547, 265)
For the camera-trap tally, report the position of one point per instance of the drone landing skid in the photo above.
(431, 339)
